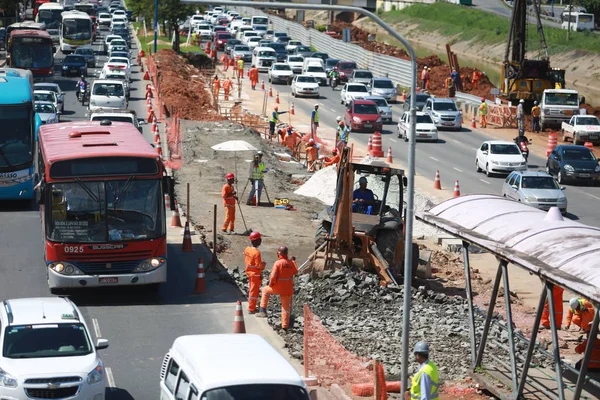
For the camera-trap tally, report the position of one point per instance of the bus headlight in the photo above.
(150, 264)
(65, 268)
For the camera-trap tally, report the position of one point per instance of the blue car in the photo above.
(74, 65)
(571, 163)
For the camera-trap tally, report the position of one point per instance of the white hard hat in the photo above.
(338, 119)
(317, 105)
(421, 347)
(521, 101)
(425, 67)
(574, 303)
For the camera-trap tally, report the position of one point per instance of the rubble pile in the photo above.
(367, 319)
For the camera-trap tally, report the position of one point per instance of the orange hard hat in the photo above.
(229, 176)
(255, 236)
(334, 152)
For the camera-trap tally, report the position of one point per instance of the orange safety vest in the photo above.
(228, 193)
(216, 83)
(253, 261)
(595, 358)
(227, 84)
(282, 276)
(311, 152)
(253, 73)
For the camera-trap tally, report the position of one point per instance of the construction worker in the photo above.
(362, 197)
(314, 119)
(557, 295)
(521, 116)
(456, 78)
(256, 176)
(475, 79)
(207, 49)
(424, 77)
(253, 75)
(240, 68)
(536, 111)
(332, 160)
(424, 384)
(216, 86)
(227, 85)
(343, 133)
(229, 198)
(483, 111)
(281, 282)
(450, 86)
(581, 313)
(254, 268)
(311, 155)
(428, 81)
(557, 85)
(594, 364)
(225, 62)
(274, 120)
(290, 139)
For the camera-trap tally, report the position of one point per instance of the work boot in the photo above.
(252, 311)
(262, 313)
(224, 230)
(231, 231)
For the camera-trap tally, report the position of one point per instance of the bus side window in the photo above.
(193, 393)
(171, 378)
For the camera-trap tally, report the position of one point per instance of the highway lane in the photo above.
(500, 8)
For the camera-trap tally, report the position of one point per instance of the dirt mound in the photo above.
(183, 89)
(591, 110)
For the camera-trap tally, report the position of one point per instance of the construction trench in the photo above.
(356, 311)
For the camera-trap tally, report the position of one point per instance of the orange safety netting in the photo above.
(174, 142)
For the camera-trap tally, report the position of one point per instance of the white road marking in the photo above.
(332, 109)
(484, 181)
(96, 328)
(393, 140)
(110, 379)
(454, 140)
(434, 159)
(595, 197)
(456, 169)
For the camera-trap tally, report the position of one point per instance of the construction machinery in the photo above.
(356, 231)
(525, 78)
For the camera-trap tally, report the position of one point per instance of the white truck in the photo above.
(581, 129)
(558, 105)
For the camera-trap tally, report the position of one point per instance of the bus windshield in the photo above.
(50, 17)
(16, 142)
(32, 53)
(77, 29)
(105, 211)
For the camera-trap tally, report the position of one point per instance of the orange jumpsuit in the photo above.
(595, 357)
(253, 75)
(332, 161)
(311, 155)
(227, 84)
(475, 79)
(225, 62)
(281, 282)
(557, 295)
(290, 140)
(216, 87)
(228, 195)
(582, 319)
(254, 268)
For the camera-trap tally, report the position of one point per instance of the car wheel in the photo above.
(477, 166)
(548, 170)
(341, 101)
(560, 178)
(487, 171)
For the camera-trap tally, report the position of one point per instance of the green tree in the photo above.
(591, 6)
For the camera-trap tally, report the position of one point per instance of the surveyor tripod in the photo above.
(256, 190)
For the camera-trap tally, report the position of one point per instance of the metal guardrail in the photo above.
(471, 98)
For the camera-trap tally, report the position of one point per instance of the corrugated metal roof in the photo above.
(564, 252)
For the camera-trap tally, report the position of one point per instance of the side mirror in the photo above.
(563, 188)
(40, 193)
(485, 152)
(557, 157)
(101, 344)
(141, 121)
(514, 187)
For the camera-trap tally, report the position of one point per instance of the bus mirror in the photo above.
(40, 194)
(404, 181)
(169, 187)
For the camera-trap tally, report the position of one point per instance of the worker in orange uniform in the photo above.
(207, 49)
(216, 86)
(483, 112)
(229, 198)
(581, 313)
(253, 75)
(557, 295)
(281, 282)
(225, 62)
(475, 79)
(240, 68)
(227, 85)
(311, 155)
(254, 268)
(594, 364)
(332, 160)
(291, 139)
(424, 77)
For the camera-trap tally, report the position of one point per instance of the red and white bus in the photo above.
(32, 50)
(101, 196)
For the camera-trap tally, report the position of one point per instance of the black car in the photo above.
(88, 54)
(283, 39)
(573, 163)
(421, 99)
(74, 64)
(231, 43)
(322, 56)
(280, 50)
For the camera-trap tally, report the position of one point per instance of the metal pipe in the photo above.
(531, 347)
(509, 323)
(555, 345)
(469, 293)
(586, 357)
(490, 315)
(409, 216)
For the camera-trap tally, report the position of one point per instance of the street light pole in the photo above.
(155, 26)
(410, 187)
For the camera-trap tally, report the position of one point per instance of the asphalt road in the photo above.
(500, 8)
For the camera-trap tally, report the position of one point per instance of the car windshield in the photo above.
(114, 118)
(294, 43)
(118, 48)
(506, 149)
(241, 48)
(302, 48)
(108, 89)
(347, 65)
(279, 34)
(46, 340)
(282, 67)
(46, 87)
(588, 121)
(315, 69)
(256, 392)
(424, 119)
(385, 84)
(357, 88)
(44, 108)
(539, 182)
(233, 42)
(380, 102)
(267, 53)
(363, 74)
(44, 97)
(574, 154)
(308, 79)
(295, 59)
(72, 59)
(106, 211)
(28, 56)
(277, 46)
(444, 106)
(85, 52)
(365, 109)
(422, 98)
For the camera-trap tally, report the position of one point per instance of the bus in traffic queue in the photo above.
(25, 25)
(32, 50)
(18, 135)
(36, 6)
(50, 15)
(101, 197)
(75, 30)
(89, 9)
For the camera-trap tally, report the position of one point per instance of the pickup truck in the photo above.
(582, 128)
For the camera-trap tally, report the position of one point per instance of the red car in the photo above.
(221, 39)
(363, 115)
(346, 68)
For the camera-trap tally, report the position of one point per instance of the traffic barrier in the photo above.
(437, 184)
(456, 189)
(151, 116)
(148, 92)
(146, 76)
(370, 145)
(238, 321)
(176, 218)
(200, 282)
(262, 85)
(159, 147)
(377, 150)
(277, 98)
(552, 142)
(473, 123)
(187, 239)
(589, 145)
(155, 131)
(270, 90)
(389, 155)
(292, 110)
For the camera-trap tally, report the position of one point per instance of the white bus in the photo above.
(50, 15)
(579, 21)
(75, 31)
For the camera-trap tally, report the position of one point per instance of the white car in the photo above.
(118, 116)
(121, 63)
(108, 40)
(296, 63)
(317, 71)
(48, 351)
(54, 88)
(196, 19)
(499, 157)
(46, 95)
(425, 128)
(352, 91)
(119, 13)
(104, 19)
(118, 75)
(108, 93)
(204, 30)
(253, 41)
(305, 85)
(116, 48)
(292, 44)
(280, 72)
(47, 112)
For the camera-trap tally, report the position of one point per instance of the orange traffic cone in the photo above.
(389, 155)
(200, 283)
(156, 133)
(370, 145)
(159, 147)
(473, 123)
(175, 218)
(262, 85)
(148, 92)
(292, 111)
(146, 76)
(437, 184)
(238, 321)
(187, 239)
(456, 190)
(167, 200)
(270, 90)
(277, 98)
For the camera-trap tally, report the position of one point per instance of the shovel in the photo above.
(247, 231)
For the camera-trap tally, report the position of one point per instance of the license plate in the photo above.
(584, 175)
(423, 135)
(368, 126)
(108, 280)
(448, 123)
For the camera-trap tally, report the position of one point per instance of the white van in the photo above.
(313, 61)
(580, 21)
(240, 31)
(228, 366)
(263, 58)
(108, 93)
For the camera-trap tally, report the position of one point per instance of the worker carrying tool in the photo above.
(274, 120)
(362, 198)
(254, 268)
(229, 198)
(329, 161)
(483, 111)
(281, 282)
(557, 295)
(253, 75)
(314, 120)
(581, 313)
(425, 383)
(216, 83)
(311, 155)
(257, 173)
(227, 85)
(594, 364)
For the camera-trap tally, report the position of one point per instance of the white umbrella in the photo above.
(235, 146)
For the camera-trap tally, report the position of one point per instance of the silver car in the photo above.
(383, 87)
(361, 76)
(243, 52)
(47, 112)
(535, 188)
(384, 108)
(444, 113)
(60, 95)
